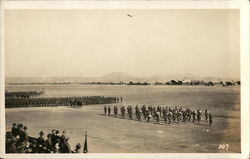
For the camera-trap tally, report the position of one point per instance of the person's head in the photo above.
(49, 135)
(57, 132)
(14, 125)
(25, 128)
(41, 133)
(53, 131)
(78, 146)
(20, 127)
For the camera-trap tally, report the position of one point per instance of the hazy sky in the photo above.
(97, 42)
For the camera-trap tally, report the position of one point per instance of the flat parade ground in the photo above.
(109, 134)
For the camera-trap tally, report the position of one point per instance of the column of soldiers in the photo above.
(25, 94)
(18, 141)
(167, 114)
(59, 101)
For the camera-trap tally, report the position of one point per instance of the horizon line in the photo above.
(194, 76)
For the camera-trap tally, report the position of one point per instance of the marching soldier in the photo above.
(210, 118)
(158, 116)
(130, 112)
(198, 114)
(115, 110)
(139, 114)
(148, 116)
(193, 114)
(123, 111)
(105, 109)
(184, 115)
(206, 115)
(109, 110)
(169, 115)
(189, 114)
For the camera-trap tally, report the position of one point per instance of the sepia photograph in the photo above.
(122, 81)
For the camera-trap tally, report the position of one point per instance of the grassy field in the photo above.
(109, 134)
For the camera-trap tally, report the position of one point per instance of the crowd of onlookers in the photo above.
(18, 141)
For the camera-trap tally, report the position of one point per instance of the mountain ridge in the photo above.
(113, 77)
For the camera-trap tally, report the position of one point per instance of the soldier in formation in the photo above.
(206, 115)
(12, 102)
(210, 118)
(109, 110)
(25, 94)
(115, 111)
(123, 111)
(105, 110)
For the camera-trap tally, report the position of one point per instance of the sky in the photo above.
(142, 43)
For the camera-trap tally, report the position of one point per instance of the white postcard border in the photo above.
(243, 5)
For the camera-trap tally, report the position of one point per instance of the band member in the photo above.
(193, 114)
(210, 118)
(109, 110)
(198, 114)
(206, 115)
(105, 109)
(158, 116)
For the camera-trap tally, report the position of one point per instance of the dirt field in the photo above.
(109, 134)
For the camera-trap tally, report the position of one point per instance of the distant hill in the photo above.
(112, 77)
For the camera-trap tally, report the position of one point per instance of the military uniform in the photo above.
(210, 119)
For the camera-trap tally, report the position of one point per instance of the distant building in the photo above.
(174, 82)
(208, 83)
(158, 83)
(186, 82)
(195, 82)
